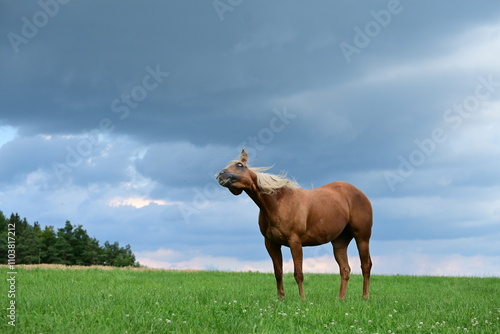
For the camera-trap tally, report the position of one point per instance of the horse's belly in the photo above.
(322, 232)
(317, 240)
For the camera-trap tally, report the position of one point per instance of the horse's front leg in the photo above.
(274, 251)
(296, 249)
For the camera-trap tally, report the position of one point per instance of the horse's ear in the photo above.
(244, 156)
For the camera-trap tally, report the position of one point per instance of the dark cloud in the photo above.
(125, 111)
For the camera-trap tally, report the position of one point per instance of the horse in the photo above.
(294, 217)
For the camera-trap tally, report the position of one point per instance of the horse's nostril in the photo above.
(221, 175)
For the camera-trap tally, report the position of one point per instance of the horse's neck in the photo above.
(268, 203)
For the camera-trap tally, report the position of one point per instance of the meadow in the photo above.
(97, 300)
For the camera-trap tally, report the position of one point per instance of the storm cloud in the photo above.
(117, 115)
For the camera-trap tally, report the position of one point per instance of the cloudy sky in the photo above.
(116, 115)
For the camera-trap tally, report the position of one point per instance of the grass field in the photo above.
(94, 300)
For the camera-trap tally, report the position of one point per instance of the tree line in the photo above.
(69, 245)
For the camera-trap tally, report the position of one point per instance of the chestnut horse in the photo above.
(294, 217)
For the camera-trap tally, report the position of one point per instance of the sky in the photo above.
(117, 115)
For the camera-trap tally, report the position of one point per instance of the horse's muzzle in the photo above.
(225, 178)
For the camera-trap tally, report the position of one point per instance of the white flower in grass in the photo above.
(168, 321)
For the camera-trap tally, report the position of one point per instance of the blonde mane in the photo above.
(270, 183)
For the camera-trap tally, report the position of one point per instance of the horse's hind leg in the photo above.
(340, 252)
(366, 264)
(361, 225)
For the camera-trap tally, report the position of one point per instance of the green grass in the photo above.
(52, 300)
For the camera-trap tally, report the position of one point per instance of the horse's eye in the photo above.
(239, 164)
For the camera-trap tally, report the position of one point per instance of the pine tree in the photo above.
(28, 246)
(92, 254)
(117, 256)
(48, 238)
(64, 245)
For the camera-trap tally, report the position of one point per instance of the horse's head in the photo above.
(236, 177)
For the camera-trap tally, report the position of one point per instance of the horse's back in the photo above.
(347, 190)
